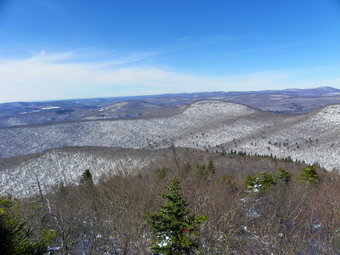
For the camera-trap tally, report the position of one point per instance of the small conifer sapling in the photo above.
(174, 230)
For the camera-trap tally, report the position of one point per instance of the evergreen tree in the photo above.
(201, 171)
(309, 175)
(174, 231)
(87, 186)
(261, 182)
(211, 168)
(282, 177)
(86, 176)
(86, 179)
(265, 181)
(15, 237)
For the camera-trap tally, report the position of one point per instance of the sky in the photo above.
(63, 49)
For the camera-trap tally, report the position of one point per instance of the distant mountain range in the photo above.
(295, 101)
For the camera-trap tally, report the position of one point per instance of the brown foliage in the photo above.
(287, 219)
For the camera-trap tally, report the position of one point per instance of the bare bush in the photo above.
(109, 218)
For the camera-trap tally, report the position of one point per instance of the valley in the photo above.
(210, 125)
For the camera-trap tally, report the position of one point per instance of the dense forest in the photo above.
(232, 203)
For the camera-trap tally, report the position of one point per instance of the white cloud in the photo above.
(56, 76)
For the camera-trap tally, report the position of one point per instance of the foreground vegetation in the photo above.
(247, 205)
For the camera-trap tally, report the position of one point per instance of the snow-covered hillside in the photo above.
(141, 133)
(208, 125)
(67, 165)
(314, 138)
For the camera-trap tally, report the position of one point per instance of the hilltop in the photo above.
(207, 125)
(200, 125)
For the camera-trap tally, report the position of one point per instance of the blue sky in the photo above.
(59, 49)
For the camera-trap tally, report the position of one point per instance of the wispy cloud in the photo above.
(43, 57)
(260, 50)
(55, 76)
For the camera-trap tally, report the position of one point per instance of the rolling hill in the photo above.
(207, 125)
(293, 101)
(131, 135)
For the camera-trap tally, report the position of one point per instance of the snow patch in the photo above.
(50, 107)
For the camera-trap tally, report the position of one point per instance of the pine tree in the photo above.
(309, 175)
(282, 177)
(15, 237)
(260, 182)
(86, 178)
(86, 182)
(201, 171)
(211, 168)
(88, 188)
(174, 231)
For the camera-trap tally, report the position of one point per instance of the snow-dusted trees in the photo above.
(110, 217)
(265, 181)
